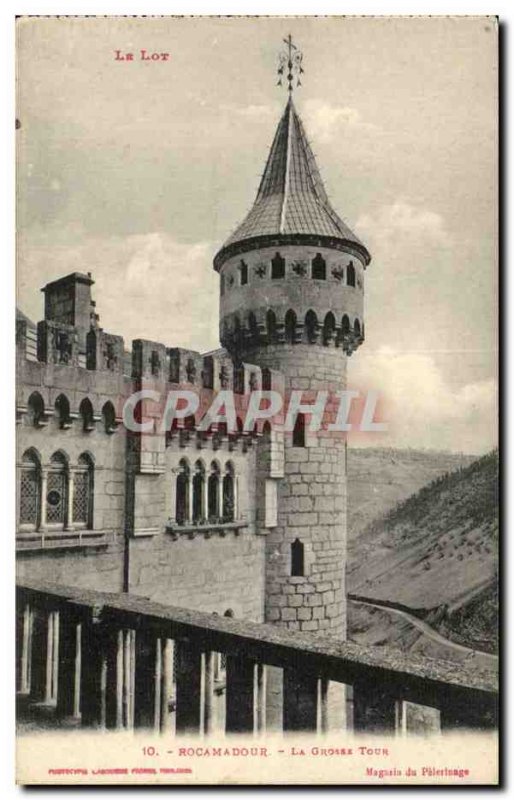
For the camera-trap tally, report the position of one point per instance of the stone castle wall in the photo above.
(129, 546)
(311, 503)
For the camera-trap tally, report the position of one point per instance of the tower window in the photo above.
(290, 327)
(222, 284)
(350, 274)
(271, 326)
(57, 490)
(278, 267)
(243, 273)
(228, 494)
(297, 559)
(83, 491)
(30, 489)
(36, 408)
(87, 416)
(299, 431)
(182, 493)
(311, 326)
(319, 268)
(198, 492)
(213, 492)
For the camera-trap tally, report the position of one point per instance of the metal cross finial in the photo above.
(292, 59)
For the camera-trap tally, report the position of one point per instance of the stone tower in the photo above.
(292, 290)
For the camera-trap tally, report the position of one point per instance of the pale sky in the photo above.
(138, 171)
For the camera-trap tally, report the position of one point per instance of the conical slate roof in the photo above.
(291, 199)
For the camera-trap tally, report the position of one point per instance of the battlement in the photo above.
(71, 368)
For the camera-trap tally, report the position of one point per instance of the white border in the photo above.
(237, 7)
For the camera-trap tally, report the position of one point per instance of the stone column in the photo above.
(51, 657)
(25, 654)
(259, 693)
(208, 690)
(236, 497)
(322, 725)
(44, 492)
(69, 511)
(129, 652)
(168, 648)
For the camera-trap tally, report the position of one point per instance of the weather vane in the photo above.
(292, 60)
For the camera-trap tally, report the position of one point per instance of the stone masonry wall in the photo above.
(311, 504)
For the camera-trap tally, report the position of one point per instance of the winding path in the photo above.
(486, 660)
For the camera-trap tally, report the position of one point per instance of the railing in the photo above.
(121, 661)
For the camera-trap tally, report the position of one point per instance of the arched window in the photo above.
(278, 266)
(36, 409)
(57, 490)
(182, 493)
(329, 327)
(109, 417)
(299, 431)
(357, 328)
(297, 559)
(30, 489)
(319, 268)
(228, 494)
(213, 493)
(350, 274)
(290, 327)
(311, 326)
(345, 325)
(86, 413)
(83, 492)
(198, 492)
(271, 326)
(62, 408)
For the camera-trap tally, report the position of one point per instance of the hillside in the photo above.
(380, 478)
(437, 547)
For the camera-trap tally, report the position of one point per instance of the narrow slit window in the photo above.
(297, 559)
(350, 275)
(299, 431)
(182, 493)
(243, 273)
